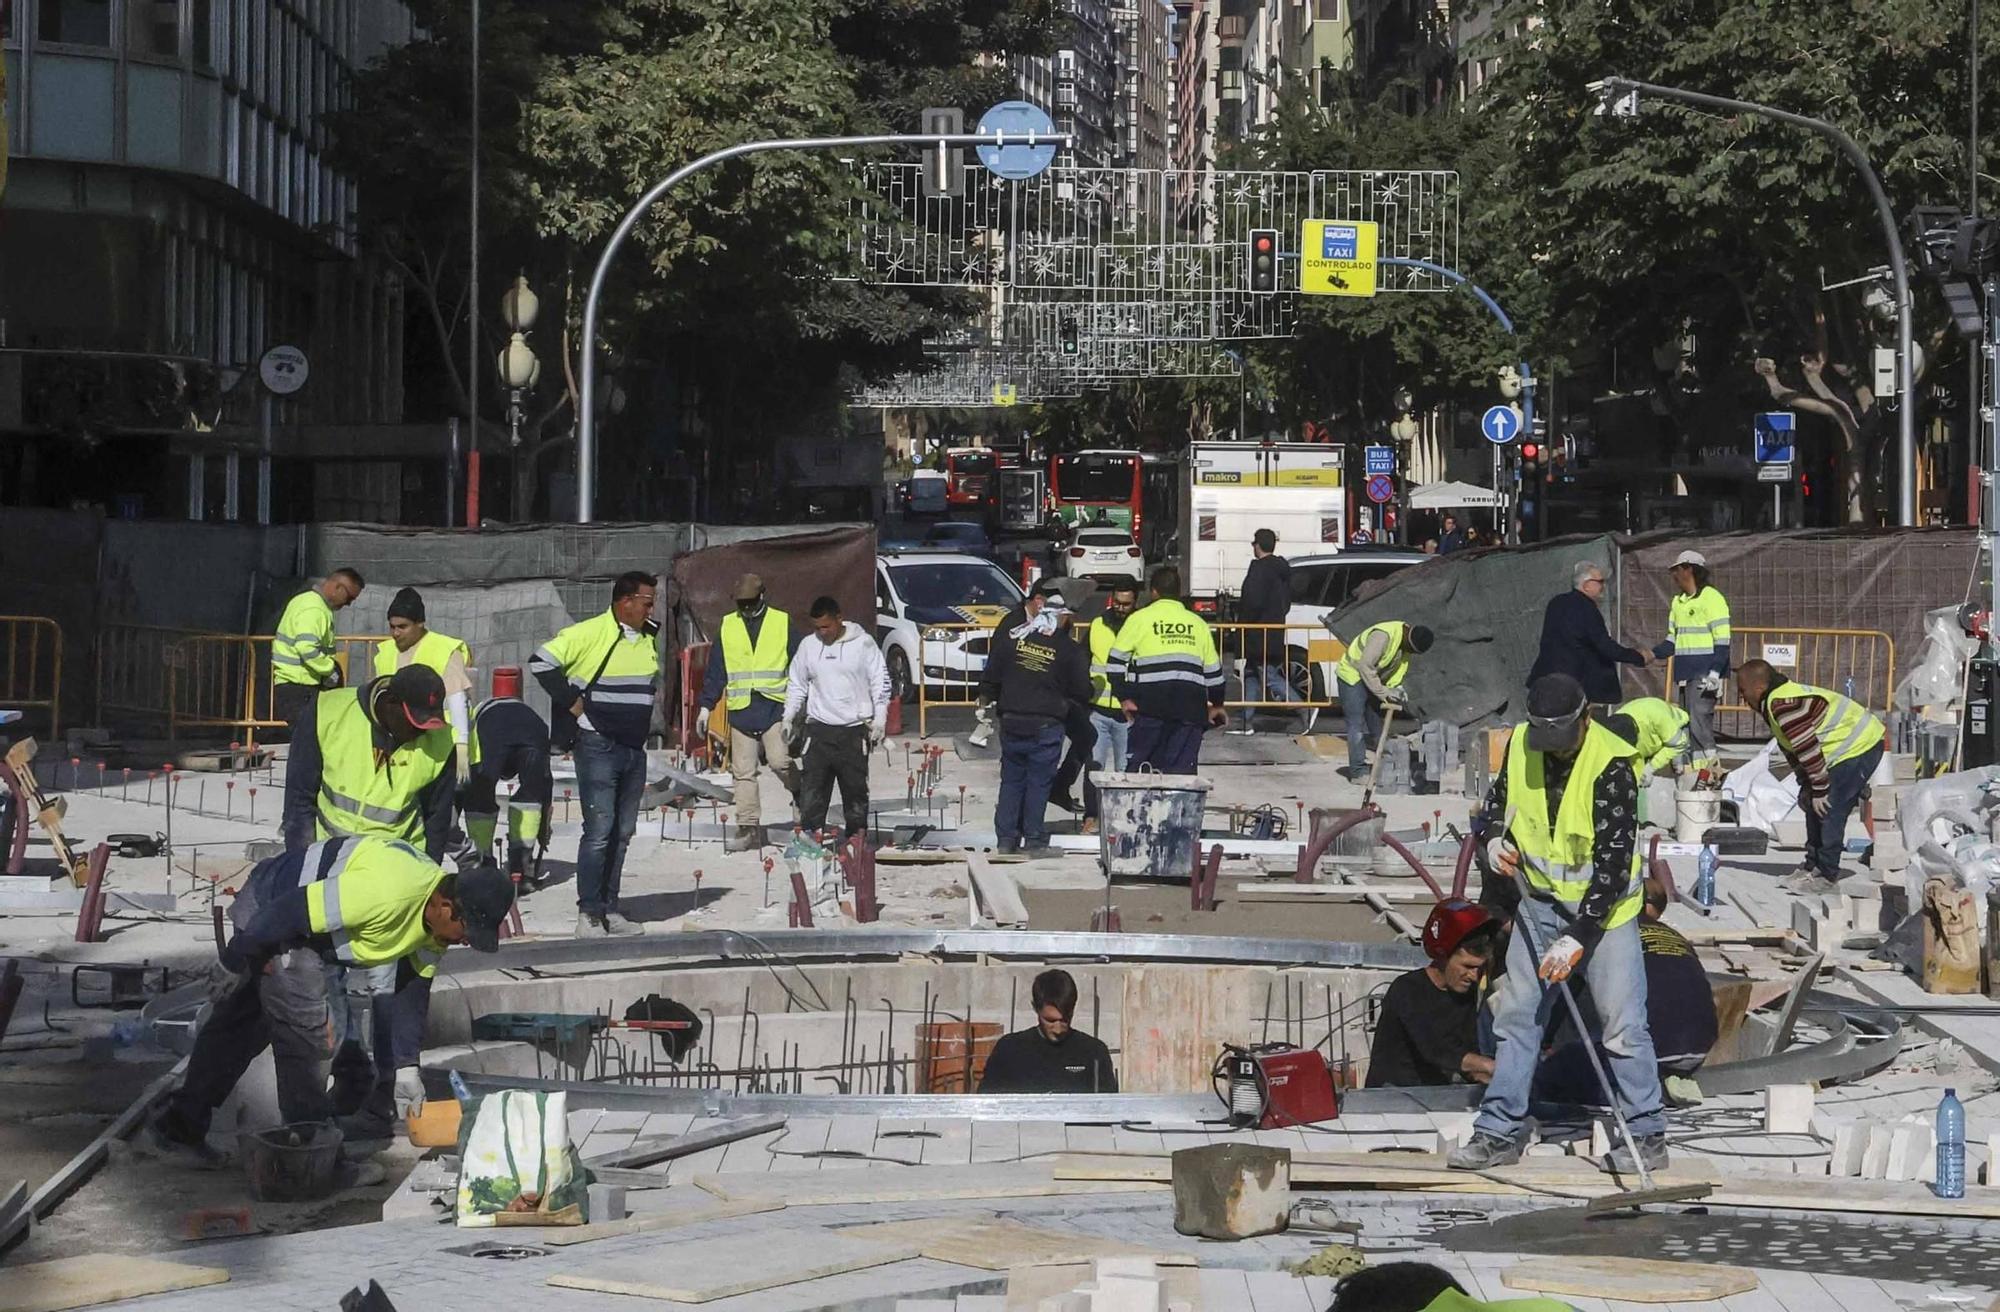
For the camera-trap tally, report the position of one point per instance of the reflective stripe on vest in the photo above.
(1663, 729)
(1845, 728)
(758, 668)
(1395, 661)
(1699, 623)
(302, 648)
(355, 795)
(1102, 639)
(1559, 859)
(370, 903)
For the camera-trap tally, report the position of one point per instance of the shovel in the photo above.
(1375, 766)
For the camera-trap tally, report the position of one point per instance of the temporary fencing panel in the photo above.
(1859, 663)
(31, 666)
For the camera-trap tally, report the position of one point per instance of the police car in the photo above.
(924, 601)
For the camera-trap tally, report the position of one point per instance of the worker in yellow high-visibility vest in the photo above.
(1834, 745)
(302, 664)
(412, 642)
(1370, 676)
(1561, 825)
(1663, 732)
(1107, 714)
(1698, 639)
(754, 646)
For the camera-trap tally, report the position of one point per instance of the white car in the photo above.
(1321, 585)
(921, 600)
(1102, 551)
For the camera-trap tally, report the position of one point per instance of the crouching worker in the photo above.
(1051, 1057)
(1428, 1032)
(361, 901)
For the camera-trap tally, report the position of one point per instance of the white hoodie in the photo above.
(840, 683)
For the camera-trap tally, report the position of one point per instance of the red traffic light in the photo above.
(1263, 243)
(1529, 451)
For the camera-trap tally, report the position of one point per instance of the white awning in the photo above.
(1452, 496)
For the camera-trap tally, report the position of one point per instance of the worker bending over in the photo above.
(1662, 733)
(1428, 1031)
(368, 902)
(509, 741)
(411, 642)
(302, 663)
(1562, 818)
(1050, 1056)
(1370, 674)
(1834, 746)
(1168, 677)
(1698, 640)
(746, 669)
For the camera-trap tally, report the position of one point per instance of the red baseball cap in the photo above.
(420, 692)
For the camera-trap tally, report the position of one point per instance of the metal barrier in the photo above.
(951, 664)
(31, 666)
(195, 679)
(1826, 658)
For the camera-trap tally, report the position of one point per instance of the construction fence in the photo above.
(187, 679)
(31, 655)
(1858, 663)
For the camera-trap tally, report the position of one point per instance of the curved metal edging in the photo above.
(1864, 1040)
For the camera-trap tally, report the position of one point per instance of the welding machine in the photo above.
(1275, 1085)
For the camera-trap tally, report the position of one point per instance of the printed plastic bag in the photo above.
(517, 1166)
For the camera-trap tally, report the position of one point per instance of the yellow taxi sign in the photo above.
(1337, 258)
(1006, 394)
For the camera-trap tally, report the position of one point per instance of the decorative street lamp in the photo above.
(518, 365)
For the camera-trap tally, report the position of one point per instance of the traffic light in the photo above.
(1067, 332)
(1528, 503)
(1263, 259)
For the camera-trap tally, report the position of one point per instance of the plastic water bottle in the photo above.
(1704, 879)
(1847, 687)
(1951, 1146)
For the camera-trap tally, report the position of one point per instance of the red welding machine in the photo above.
(1274, 1085)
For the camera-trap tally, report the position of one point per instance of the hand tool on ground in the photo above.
(675, 1025)
(47, 811)
(1388, 718)
(1625, 1199)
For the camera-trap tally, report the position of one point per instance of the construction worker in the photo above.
(1562, 820)
(1834, 746)
(1698, 640)
(837, 710)
(1168, 677)
(602, 676)
(302, 664)
(1370, 676)
(1035, 675)
(509, 741)
(1107, 715)
(411, 641)
(371, 903)
(1428, 1033)
(1663, 733)
(753, 650)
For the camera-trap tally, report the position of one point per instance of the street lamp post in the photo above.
(1611, 89)
(519, 368)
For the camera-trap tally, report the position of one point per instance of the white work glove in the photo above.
(701, 722)
(1711, 682)
(409, 1091)
(877, 731)
(1821, 805)
(1502, 857)
(1395, 697)
(1560, 959)
(222, 982)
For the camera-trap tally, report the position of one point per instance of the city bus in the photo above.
(1089, 486)
(968, 472)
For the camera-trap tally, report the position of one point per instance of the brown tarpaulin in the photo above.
(839, 563)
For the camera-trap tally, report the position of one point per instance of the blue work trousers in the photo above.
(610, 778)
(1028, 764)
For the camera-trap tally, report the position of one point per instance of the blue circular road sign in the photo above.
(1017, 117)
(1500, 425)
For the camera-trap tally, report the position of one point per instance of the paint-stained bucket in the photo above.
(1697, 811)
(1150, 823)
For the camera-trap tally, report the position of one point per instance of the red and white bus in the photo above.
(969, 472)
(1093, 486)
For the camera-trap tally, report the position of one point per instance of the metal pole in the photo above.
(1983, 409)
(586, 420)
(472, 274)
(1899, 272)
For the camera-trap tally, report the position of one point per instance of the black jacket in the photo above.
(1575, 642)
(1035, 679)
(1267, 591)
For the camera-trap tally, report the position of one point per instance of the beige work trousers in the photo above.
(746, 752)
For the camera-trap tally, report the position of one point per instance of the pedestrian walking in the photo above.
(1561, 819)
(1370, 676)
(1035, 678)
(1698, 640)
(1450, 537)
(1168, 678)
(1834, 745)
(836, 710)
(746, 671)
(1266, 598)
(1576, 642)
(302, 663)
(602, 676)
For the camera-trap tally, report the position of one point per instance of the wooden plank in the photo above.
(913, 1184)
(94, 1278)
(682, 1215)
(1027, 1286)
(995, 1245)
(999, 896)
(735, 1264)
(649, 1152)
(1629, 1279)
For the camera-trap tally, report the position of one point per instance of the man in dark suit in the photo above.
(1575, 641)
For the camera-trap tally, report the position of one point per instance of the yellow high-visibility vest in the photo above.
(302, 650)
(1102, 639)
(368, 896)
(1699, 623)
(1558, 858)
(1846, 729)
(355, 797)
(1663, 730)
(760, 667)
(433, 650)
(1395, 664)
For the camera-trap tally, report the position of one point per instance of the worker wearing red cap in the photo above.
(1429, 1027)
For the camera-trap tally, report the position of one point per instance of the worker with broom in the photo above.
(1370, 674)
(1562, 819)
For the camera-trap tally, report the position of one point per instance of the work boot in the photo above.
(1811, 884)
(156, 1140)
(1041, 852)
(619, 926)
(1065, 802)
(365, 1133)
(1652, 1151)
(589, 926)
(747, 838)
(1483, 1152)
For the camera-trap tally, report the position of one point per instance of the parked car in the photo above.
(1102, 551)
(961, 536)
(918, 596)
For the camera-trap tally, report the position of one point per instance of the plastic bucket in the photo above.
(295, 1163)
(1697, 811)
(951, 1055)
(1150, 824)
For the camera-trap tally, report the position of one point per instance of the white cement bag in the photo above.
(518, 1166)
(1762, 800)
